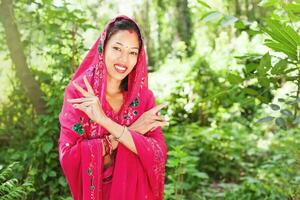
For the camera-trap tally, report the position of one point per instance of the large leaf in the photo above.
(281, 48)
(203, 3)
(279, 67)
(277, 32)
(265, 64)
(234, 78)
(228, 20)
(267, 3)
(211, 16)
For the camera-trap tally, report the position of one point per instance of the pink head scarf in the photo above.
(138, 176)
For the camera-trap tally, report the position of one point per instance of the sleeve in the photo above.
(152, 152)
(72, 146)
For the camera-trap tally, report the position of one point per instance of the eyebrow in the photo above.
(123, 45)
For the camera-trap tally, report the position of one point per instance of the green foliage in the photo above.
(231, 135)
(11, 188)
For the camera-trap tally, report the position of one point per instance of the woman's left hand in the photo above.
(114, 142)
(90, 104)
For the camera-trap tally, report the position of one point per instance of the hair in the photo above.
(120, 25)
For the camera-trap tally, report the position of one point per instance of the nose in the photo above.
(124, 57)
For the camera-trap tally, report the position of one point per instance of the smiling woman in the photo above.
(111, 145)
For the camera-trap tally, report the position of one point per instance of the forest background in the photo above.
(231, 77)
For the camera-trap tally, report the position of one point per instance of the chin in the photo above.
(118, 77)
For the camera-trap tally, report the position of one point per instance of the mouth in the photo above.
(120, 68)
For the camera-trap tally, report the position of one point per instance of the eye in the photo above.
(134, 53)
(117, 48)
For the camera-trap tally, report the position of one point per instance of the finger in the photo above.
(86, 103)
(88, 86)
(83, 108)
(79, 100)
(158, 118)
(156, 124)
(80, 89)
(158, 108)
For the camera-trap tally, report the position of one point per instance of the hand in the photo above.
(114, 142)
(149, 120)
(90, 105)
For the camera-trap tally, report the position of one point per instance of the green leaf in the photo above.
(279, 121)
(62, 181)
(267, 3)
(293, 7)
(234, 78)
(211, 16)
(281, 48)
(296, 120)
(52, 174)
(251, 91)
(228, 20)
(277, 32)
(275, 107)
(47, 147)
(265, 64)
(264, 81)
(279, 67)
(286, 112)
(265, 119)
(203, 3)
(297, 100)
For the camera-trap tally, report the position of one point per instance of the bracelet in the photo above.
(117, 138)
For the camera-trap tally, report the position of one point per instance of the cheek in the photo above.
(133, 61)
(111, 56)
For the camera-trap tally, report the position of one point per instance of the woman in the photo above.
(111, 144)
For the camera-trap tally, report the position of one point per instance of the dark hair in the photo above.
(123, 24)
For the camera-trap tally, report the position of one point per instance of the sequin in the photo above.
(67, 144)
(135, 102)
(89, 171)
(100, 48)
(78, 128)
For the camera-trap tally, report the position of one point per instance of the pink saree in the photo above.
(132, 176)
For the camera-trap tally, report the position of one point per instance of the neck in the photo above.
(113, 86)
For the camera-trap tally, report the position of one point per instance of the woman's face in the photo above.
(121, 54)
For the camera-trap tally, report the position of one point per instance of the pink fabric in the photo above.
(134, 177)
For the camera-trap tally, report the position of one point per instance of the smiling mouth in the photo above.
(120, 68)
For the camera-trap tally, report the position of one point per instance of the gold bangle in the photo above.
(117, 138)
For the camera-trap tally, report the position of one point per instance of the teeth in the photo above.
(120, 68)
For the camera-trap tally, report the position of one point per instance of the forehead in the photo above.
(127, 38)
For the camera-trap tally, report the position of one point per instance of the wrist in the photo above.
(102, 121)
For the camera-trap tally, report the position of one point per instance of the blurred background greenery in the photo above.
(230, 71)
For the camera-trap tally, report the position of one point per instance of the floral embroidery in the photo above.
(159, 163)
(78, 128)
(135, 102)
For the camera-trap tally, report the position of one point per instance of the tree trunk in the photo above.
(13, 40)
(184, 24)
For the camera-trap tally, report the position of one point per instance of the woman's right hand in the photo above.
(149, 120)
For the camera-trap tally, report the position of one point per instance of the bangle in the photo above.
(117, 138)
